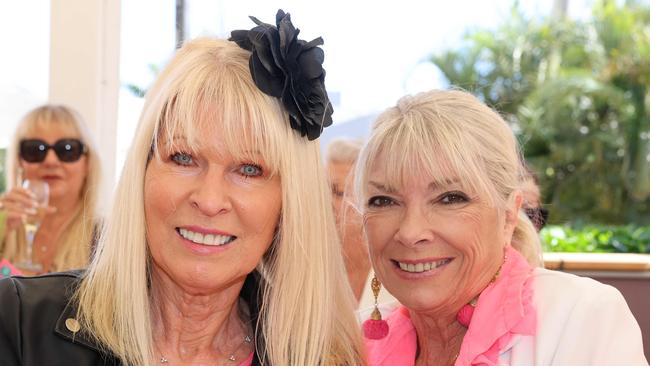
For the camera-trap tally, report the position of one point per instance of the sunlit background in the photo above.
(375, 51)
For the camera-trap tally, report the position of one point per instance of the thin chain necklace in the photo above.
(247, 339)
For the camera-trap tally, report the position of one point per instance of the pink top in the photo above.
(248, 361)
(7, 269)
(504, 309)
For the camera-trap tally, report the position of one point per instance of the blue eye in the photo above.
(182, 158)
(380, 201)
(250, 170)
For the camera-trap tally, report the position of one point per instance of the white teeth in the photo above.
(207, 239)
(410, 267)
(422, 267)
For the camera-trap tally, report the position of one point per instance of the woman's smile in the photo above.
(419, 268)
(205, 238)
(204, 241)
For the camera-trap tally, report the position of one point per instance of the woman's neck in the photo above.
(49, 234)
(197, 328)
(439, 338)
(64, 204)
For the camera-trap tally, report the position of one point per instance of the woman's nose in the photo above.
(414, 227)
(211, 193)
(51, 158)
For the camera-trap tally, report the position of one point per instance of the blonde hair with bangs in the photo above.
(73, 249)
(447, 134)
(306, 314)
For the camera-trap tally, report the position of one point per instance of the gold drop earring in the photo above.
(375, 327)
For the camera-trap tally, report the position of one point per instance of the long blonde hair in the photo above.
(73, 249)
(451, 132)
(306, 314)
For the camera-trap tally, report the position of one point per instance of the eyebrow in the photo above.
(382, 187)
(167, 143)
(447, 182)
(252, 152)
(432, 186)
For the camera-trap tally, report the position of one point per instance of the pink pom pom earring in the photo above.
(375, 327)
(464, 316)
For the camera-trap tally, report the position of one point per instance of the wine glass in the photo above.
(41, 192)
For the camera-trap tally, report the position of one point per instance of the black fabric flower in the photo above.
(291, 69)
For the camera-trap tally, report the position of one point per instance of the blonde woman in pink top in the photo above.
(438, 183)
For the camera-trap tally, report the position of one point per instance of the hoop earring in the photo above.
(375, 327)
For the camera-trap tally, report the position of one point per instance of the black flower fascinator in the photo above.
(290, 69)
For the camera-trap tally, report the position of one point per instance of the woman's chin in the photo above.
(199, 278)
(58, 192)
(421, 303)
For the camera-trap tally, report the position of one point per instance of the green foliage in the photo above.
(140, 91)
(577, 94)
(136, 90)
(599, 239)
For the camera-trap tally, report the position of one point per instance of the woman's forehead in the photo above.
(392, 180)
(202, 119)
(394, 173)
(211, 140)
(51, 129)
(394, 165)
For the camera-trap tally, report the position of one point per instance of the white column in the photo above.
(84, 70)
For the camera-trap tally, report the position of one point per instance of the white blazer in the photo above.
(580, 322)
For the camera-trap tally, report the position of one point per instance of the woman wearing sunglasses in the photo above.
(51, 144)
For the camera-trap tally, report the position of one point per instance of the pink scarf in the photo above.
(504, 309)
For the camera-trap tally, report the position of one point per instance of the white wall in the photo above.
(84, 69)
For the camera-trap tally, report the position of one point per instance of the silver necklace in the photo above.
(247, 340)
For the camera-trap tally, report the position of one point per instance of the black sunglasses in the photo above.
(67, 150)
(538, 216)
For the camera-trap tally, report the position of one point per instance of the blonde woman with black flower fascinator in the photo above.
(221, 247)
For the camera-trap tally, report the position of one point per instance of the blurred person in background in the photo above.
(342, 153)
(51, 144)
(531, 199)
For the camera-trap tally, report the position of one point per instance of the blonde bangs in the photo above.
(396, 143)
(219, 98)
(45, 117)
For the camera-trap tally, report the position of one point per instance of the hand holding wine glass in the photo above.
(40, 193)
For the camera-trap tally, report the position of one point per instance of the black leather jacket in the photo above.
(37, 323)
